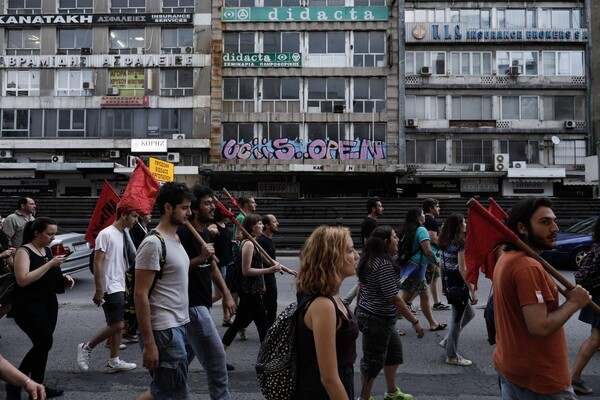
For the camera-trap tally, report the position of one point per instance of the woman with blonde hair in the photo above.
(327, 329)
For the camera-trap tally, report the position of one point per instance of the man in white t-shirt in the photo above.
(111, 261)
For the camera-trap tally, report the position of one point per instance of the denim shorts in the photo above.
(170, 379)
(510, 391)
(114, 307)
(380, 341)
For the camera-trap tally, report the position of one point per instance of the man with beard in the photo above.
(529, 319)
(369, 224)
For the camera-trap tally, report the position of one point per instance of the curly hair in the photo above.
(321, 258)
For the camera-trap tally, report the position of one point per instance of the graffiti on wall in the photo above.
(318, 149)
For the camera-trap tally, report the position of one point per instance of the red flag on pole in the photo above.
(490, 260)
(497, 211)
(104, 213)
(140, 193)
(484, 233)
(224, 211)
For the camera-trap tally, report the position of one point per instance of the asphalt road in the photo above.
(423, 374)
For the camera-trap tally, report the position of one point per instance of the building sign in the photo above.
(149, 145)
(318, 149)
(163, 171)
(96, 19)
(262, 60)
(125, 102)
(126, 78)
(106, 61)
(529, 187)
(434, 32)
(439, 186)
(479, 185)
(18, 190)
(304, 14)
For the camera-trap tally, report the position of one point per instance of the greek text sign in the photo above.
(163, 171)
(96, 19)
(105, 61)
(262, 60)
(316, 14)
(149, 145)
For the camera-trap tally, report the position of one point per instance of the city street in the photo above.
(424, 373)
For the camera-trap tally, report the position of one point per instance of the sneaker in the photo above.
(398, 395)
(229, 367)
(459, 360)
(120, 366)
(409, 305)
(107, 345)
(83, 357)
(53, 392)
(130, 338)
(243, 334)
(441, 306)
(443, 343)
(580, 387)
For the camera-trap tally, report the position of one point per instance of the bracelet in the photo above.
(415, 322)
(26, 382)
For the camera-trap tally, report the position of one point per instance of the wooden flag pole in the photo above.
(200, 240)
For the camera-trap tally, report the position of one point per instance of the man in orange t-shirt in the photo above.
(531, 349)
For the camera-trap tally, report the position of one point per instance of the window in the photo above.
(23, 41)
(128, 6)
(415, 60)
(15, 123)
(369, 95)
(426, 151)
(471, 151)
(325, 93)
(238, 95)
(369, 3)
(129, 81)
(71, 123)
(119, 122)
(561, 18)
(327, 3)
(562, 108)
(326, 49)
(178, 6)
(517, 18)
(127, 41)
(280, 95)
(177, 82)
(71, 41)
(177, 40)
(239, 3)
(74, 82)
(373, 131)
(369, 49)
(173, 121)
(522, 150)
(281, 42)
(424, 15)
(239, 42)
(475, 63)
(471, 18)
(76, 6)
(569, 63)
(527, 61)
(282, 3)
(275, 130)
(22, 83)
(471, 107)
(570, 152)
(241, 133)
(324, 131)
(425, 107)
(24, 7)
(520, 107)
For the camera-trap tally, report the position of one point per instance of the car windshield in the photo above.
(586, 226)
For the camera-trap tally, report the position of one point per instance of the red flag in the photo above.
(104, 213)
(484, 233)
(140, 193)
(496, 210)
(224, 211)
(490, 260)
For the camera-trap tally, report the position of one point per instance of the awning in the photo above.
(17, 170)
(577, 182)
(543, 180)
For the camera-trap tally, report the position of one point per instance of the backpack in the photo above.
(588, 274)
(129, 315)
(405, 252)
(233, 274)
(276, 365)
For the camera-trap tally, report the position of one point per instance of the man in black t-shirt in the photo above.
(431, 208)
(270, 227)
(375, 209)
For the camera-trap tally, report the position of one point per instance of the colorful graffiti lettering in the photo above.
(319, 149)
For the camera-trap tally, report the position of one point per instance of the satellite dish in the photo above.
(555, 140)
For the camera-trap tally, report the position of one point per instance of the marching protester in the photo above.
(14, 224)
(589, 275)
(528, 317)
(379, 305)
(417, 248)
(451, 242)
(161, 297)
(327, 329)
(139, 231)
(6, 265)
(34, 303)
(431, 208)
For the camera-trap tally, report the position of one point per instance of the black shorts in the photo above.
(114, 307)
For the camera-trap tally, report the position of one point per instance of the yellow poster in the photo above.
(163, 171)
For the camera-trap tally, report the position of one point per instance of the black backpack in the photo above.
(233, 274)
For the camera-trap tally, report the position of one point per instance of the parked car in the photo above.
(75, 247)
(571, 245)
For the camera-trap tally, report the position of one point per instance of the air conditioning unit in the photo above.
(6, 154)
(114, 154)
(570, 124)
(112, 91)
(479, 167)
(88, 85)
(426, 71)
(86, 51)
(173, 157)
(131, 162)
(138, 50)
(179, 136)
(519, 164)
(57, 159)
(411, 123)
(501, 161)
(186, 50)
(514, 71)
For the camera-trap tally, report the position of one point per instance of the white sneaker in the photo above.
(459, 360)
(119, 366)
(443, 343)
(83, 357)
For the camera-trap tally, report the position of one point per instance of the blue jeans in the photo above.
(510, 391)
(170, 379)
(203, 341)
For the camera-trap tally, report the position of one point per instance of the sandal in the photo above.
(227, 322)
(440, 327)
(401, 332)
